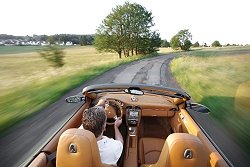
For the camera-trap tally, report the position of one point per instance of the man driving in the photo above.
(94, 120)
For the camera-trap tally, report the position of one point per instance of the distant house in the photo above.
(34, 43)
(69, 43)
(21, 42)
(59, 43)
(43, 43)
(62, 43)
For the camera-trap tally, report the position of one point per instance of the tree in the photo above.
(216, 44)
(53, 54)
(127, 30)
(196, 44)
(90, 39)
(181, 40)
(83, 40)
(44, 38)
(165, 43)
(154, 42)
(204, 44)
(51, 39)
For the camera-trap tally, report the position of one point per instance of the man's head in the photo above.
(94, 120)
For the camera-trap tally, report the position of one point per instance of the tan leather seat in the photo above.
(181, 149)
(150, 149)
(78, 147)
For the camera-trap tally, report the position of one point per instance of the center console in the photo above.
(133, 118)
(133, 115)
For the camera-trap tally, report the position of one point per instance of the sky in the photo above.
(227, 21)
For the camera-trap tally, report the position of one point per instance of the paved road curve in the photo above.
(20, 144)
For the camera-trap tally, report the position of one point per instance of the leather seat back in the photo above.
(78, 147)
(181, 149)
(150, 149)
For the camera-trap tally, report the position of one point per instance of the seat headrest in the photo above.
(182, 149)
(77, 147)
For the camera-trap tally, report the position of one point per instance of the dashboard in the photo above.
(136, 106)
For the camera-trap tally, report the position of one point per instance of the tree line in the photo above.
(82, 40)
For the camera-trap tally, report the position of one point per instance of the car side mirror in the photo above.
(75, 99)
(196, 107)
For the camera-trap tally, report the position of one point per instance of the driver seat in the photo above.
(78, 148)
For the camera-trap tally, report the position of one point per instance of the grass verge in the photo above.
(219, 78)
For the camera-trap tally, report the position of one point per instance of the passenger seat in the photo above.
(179, 149)
(150, 149)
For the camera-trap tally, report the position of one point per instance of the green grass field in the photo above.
(21, 49)
(28, 83)
(220, 79)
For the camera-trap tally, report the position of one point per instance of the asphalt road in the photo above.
(25, 141)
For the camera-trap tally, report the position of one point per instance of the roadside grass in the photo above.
(220, 79)
(167, 51)
(29, 84)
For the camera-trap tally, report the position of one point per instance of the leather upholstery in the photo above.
(172, 154)
(150, 149)
(41, 161)
(87, 152)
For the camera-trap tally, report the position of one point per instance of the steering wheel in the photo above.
(111, 112)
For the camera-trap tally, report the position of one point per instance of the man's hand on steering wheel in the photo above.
(118, 122)
(110, 111)
(101, 102)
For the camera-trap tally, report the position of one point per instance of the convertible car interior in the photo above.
(160, 130)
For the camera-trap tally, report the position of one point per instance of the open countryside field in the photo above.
(28, 83)
(21, 49)
(220, 79)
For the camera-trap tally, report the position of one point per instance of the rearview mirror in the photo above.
(75, 99)
(197, 108)
(134, 91)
